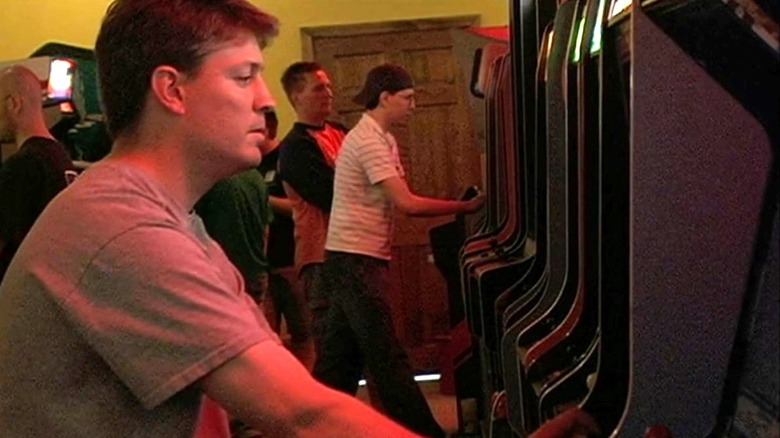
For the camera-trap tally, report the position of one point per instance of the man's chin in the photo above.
(254, 154)
(255, 161)
(247, 162)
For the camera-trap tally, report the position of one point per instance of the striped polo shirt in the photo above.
(361, 219)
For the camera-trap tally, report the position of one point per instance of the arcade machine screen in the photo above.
(59, 97)
(60, 86)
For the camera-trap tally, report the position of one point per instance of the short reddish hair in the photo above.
(137, 36)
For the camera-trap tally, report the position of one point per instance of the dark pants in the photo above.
(360, 333)
(317, 300)
(290, 305)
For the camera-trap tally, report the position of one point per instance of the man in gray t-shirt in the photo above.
(119, 314)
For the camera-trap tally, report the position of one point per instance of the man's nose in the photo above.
(263, 98)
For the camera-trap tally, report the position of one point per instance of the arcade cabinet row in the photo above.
(628, 259)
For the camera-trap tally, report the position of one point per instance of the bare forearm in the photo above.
(268, 389)
(422, 206)
(334, 414)
(398, 192)
(280, 205)
(339, 415)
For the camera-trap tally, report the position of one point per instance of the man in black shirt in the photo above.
(307, 156)
(39, 169)
(287, 298)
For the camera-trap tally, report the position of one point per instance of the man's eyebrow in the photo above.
(255, 67)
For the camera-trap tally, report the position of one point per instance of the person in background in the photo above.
(307, 156)
(368, 185)
(41, 166)
(236, 215)
(119, 313)
(285, 295)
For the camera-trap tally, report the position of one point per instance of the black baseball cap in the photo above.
(385, 77)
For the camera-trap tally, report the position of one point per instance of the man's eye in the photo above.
(245, 80)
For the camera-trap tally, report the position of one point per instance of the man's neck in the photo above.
(22, 135)
(379, 118)
(311, 120)
(164, 165)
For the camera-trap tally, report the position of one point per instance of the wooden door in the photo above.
(438, 149)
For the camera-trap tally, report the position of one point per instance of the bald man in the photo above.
(38, 170)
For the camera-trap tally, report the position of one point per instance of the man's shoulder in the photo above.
(242, 186)
(295, 143)
(23, 162)
(46, 151)
(43, 144)
(337, 126)
(249, 178)
(37, 141)
(362, 135)
(300, 133)
(297, 136)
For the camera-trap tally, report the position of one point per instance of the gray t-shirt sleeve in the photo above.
(163, 309)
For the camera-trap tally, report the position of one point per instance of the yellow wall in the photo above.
(25, 25)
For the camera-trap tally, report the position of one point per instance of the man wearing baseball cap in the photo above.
(369, 185)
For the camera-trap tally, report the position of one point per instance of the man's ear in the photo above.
(13, 104)
(295, 98)
(167, 88)
(383, 96)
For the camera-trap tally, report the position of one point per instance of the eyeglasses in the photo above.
(409, 97)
